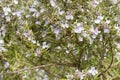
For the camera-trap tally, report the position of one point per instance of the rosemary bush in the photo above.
(59, 39)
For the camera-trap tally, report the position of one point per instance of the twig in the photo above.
(36, 67)
(107, 67)
(62, 63)
(110, 62)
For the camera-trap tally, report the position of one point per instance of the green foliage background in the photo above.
(25, 39)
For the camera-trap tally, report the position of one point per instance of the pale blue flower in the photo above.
(78, 28)
(99, 19)
(6, 10)
(6, 65)
(93, 71)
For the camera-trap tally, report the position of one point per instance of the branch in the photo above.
(36, 67)
(110, 62)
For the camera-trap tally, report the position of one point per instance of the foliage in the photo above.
(59, 39)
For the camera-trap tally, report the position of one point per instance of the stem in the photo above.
(111, 60)
(36, 67)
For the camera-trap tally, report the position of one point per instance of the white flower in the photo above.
(32, 9)
(37, 42)
(94, 36)
(29, 35)
(106, 30)
(118, 55)
(91, 40)
(53, 4)
(45, 77)
(95, 3)
(7, 18)
(35, 2)
(65, 25)
(107, 21)
(42, 10)
(2, 45)
(79, 28)
(101, 38)
(6, 65)
(2, 31)
(27, 16)
(15, 1)
(114, 1)
(67, 52)
(37, 22)
(117, 45)
(18, 14)
(69, 17)
(79, 75)
(33, 41)
(99, 19)
(94, 31)
(70, 45)
(61, 12)
(80, 39)
(86, 57)
(6, 10)
(27, 54)
(56, 31)
(0, 1)
(2, 49)
(69, 77)
(24, 77)
(1, 41)
(26, 33)
(116, 27)
(93, 71)
(85, 34)
(36, 14)
(38, 52)
(45, 45)
(119, 5)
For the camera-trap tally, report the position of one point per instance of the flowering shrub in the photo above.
(59, 39)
